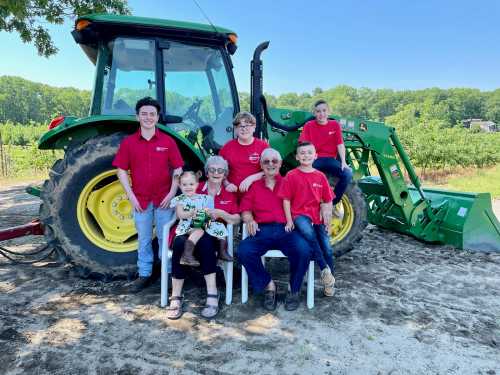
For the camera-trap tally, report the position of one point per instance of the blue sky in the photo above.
(363, 43)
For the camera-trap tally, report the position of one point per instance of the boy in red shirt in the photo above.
(154, 162)
(243, 154)
(326, 136)
(307, 203)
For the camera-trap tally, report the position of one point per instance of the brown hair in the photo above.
(303, 144)
(319, 102)
(244, 115)
(196, 175)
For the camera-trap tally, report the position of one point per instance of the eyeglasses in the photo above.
(216, 170)
(244, 126)
(270, 161)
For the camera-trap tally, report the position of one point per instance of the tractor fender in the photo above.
(75, 131)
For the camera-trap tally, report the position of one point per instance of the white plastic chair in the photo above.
(277, 254)
(166, 258)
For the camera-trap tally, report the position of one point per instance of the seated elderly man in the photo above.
(262, 212)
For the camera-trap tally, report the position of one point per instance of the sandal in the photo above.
(175, 312)
(211, 311)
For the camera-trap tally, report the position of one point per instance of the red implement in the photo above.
(33, 228)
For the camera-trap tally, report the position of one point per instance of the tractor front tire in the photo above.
(86, 214)
(347, 229)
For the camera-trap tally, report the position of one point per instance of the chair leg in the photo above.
(310, 285)
(164, 281)
(244, 285)
(229, 282)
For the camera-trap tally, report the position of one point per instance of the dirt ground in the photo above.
(401, 307)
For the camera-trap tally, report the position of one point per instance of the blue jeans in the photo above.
(332, 167)
(317, 236)
(144, 226)
(274, 237)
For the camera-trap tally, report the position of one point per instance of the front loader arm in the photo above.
(392, 203)
(464, 220)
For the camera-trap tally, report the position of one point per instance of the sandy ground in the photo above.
(401, 307)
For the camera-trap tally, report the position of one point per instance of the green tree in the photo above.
(27, 17)
(492, 107)
(22, 101)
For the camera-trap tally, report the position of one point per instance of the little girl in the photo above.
(188, 206)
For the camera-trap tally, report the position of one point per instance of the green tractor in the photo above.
(187, 67)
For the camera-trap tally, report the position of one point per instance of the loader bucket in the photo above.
(463, 220)
(469, 222)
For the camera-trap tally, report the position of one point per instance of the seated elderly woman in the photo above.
(226, 210)
(262, 212)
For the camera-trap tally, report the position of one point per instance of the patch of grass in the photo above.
(26, 162)
(486, 180)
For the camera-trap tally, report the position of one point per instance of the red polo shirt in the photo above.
(306, 191)
(150, 164)
(325, 138)
(264, 203)
(243, 160)
(223, 200)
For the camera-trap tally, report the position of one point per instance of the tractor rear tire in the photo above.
(352, 223)
(59, 211)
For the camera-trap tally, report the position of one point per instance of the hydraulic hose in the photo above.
(4, 252)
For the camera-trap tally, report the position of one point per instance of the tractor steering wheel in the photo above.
(195, 122)
(192, 113)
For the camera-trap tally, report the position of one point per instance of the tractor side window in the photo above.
(129, 75)
(197, 89)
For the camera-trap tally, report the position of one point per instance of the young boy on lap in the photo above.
(307, 201)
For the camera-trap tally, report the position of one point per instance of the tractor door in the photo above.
(129, 75)
(198, 89)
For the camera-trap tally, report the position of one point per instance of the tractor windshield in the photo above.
(196, 86)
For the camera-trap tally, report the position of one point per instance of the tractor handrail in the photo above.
(276, 124)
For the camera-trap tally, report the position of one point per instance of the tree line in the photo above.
(448, 105)
(23, 102)
(26, 102)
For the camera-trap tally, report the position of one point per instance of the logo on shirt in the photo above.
(331, 132)
(316, 185)
(225, 202)
(161, 149)
(254, 158)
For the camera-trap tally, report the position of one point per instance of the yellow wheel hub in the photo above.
(342, 220)
(105, 214)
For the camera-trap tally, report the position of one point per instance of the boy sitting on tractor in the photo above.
(326, 136)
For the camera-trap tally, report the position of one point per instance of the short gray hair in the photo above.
(216, 159)
(270, 152)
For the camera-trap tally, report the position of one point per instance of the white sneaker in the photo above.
(328, 282)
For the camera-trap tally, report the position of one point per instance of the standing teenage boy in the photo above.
(307, 204)
(326, 136)
(154, 162)
(243, 154)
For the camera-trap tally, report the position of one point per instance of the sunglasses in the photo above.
(270, 161)
(216, 170)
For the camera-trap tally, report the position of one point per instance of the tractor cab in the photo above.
(185, 66)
